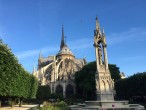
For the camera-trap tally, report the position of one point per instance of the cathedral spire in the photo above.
(103, 34)
(34, 70)
(40, 55)
(62, 39)
(97, 24)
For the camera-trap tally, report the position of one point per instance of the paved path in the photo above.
(16, 107)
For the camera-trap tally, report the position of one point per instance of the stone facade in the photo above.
(58, 71)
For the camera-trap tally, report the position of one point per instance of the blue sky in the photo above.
(31, 26)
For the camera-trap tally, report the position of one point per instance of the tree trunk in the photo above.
(0, 104)
(39, 104)
(20, 102)
(12, 103)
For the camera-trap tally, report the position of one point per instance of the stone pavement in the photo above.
(16, 107)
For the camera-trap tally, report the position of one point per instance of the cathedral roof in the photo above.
(64, 50)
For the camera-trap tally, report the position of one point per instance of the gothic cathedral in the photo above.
(58, 71)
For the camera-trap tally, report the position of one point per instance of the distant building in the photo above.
(122, 75)
(58, 71)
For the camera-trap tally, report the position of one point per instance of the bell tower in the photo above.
(104, 83)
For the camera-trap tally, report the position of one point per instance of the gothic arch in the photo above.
(108, 85)
(48, 72)
(69, 90)
(65, 69)
(112, 84)
(59, 89)
(58, 63)
(103, 86)
(47, 66)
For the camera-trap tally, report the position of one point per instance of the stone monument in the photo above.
(104, 84)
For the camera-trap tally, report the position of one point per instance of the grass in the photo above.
(55, 106)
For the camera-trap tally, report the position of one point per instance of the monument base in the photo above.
(106, 105)
(105, 96)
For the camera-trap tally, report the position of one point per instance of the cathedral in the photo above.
(58, 71)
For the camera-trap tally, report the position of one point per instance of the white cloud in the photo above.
(133, 34)
(27, 53)
(74, 45)
(30, 53)
(81, 44)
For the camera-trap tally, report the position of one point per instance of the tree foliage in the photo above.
(115, 72)
(132, 86)
(43, 92)
(15, 81)
(85, 79)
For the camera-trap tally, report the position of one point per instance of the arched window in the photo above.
(59, 90)
(69, 90)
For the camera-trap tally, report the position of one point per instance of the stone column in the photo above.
(57, 66)
(105, 57)
(54, 67)
(54, 87)
(42, 76)
(52, 75)
(97, 57)
(64, 90)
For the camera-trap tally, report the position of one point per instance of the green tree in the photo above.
(15, 81)
(85, 79)
(43, 93)
(115, 72)
(132, 86)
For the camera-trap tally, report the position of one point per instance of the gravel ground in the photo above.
(16, 107)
